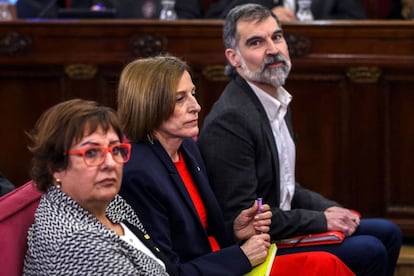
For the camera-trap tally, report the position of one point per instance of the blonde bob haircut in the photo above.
(147, 94)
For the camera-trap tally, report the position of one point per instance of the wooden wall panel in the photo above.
(21, 102)
(401, 144)
(314, 112)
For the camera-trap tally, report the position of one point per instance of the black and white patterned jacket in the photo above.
(67, 240)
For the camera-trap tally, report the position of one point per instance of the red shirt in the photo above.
(195, 197)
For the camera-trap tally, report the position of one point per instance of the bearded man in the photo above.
(248, 146)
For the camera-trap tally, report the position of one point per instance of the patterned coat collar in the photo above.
(117, 211)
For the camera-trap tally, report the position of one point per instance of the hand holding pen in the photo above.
(259, 205)
(251, 221)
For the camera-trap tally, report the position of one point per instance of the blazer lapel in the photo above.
(175, 176)
(264, 121)
(214, 213)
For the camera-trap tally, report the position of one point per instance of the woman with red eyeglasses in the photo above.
(82, 226)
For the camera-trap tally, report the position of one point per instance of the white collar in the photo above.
(275, 107)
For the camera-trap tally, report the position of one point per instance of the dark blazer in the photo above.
(153, 187)
(321, 9)
(241, 157)
(124, 8)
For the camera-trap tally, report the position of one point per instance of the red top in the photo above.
(195, 197)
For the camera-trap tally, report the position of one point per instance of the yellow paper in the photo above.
(264, 268)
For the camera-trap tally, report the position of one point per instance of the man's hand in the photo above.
(341, 219)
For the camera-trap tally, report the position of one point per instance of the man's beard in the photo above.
(271, 76)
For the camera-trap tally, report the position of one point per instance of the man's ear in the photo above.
(232, 57)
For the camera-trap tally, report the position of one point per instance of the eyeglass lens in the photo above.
(96, 155)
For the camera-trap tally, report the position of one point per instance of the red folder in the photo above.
(329, 237)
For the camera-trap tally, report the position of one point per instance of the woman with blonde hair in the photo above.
(165, 182)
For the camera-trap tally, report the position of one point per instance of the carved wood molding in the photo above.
(299, 45)
(13, 43)
(215, 73)
(147, 45)
(81, 71)
(364, 74)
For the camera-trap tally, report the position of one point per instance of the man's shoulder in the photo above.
(234, 96)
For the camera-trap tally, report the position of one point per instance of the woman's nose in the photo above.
(109, 159)
(195, 106)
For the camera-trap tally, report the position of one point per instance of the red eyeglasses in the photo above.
(96, 155)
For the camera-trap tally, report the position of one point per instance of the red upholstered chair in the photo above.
(16, 215)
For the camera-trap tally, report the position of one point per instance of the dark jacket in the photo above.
(154, 188)
(124, 8)
(321, 9)
(241, 157)
(5, 185)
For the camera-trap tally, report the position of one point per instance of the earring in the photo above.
(58, 183)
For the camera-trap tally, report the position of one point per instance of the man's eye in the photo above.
(91, 153)
(255, 42)
(277, 37)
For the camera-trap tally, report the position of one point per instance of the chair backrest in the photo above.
(16, 216)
